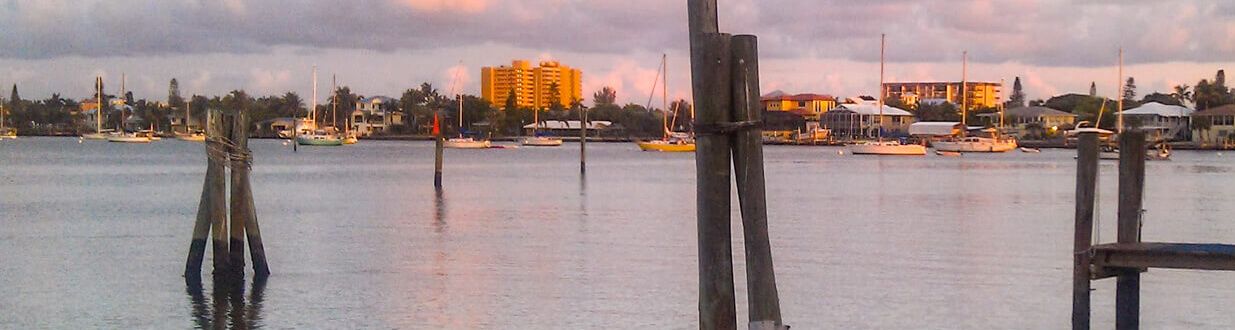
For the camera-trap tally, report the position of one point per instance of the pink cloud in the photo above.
(447, 6)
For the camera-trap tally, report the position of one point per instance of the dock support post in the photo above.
(205, 208)
(239, 202)
(243, 206)
(1086, 187)
(763, 300)
(710, 72)
(437, 162)
(215, 136)
(583, 140)
(1131, 191)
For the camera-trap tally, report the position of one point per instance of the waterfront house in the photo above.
(1032, 122)
(861, 119)
(1214, 127)
(373, 116)
(1172, 120)
(809, 106)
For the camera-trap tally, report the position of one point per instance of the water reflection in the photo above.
(439, 211)
(227, 307)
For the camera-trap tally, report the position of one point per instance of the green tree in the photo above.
(1093, 89)
(605, 96)
(555, 98)
(944, 111)
(1017, 99)
(1129, 91)
(1182, 94)
(1167, 99)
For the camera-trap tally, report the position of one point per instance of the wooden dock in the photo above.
(1129, 257)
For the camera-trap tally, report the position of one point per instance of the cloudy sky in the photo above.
(380, 47)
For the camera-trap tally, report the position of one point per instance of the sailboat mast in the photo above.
(664, 90)
(1120, 103)
(334, 102)
(879, 103)
(98, 112)
(124, 100)
(1001, 105)
(965, 90)
(313, 106)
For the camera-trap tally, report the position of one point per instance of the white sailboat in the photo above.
(99, 112)
(881, 147)
(539, 141)
(463, 142)
(994, 143)
(189, 134)
(123, 136)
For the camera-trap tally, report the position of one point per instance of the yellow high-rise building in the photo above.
(532, 86)
(980, 94)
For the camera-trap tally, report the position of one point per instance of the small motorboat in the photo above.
(129, 138)
(541, 141)
(467, 143)
(947, 153)
(887, 148)
(1030, 150)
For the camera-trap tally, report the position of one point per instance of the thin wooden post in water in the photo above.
(439, 143)
(763, 300)
(239, 202)
(243, 205)
(1131, 191)
(583, 125)
(205, 209)
(1086, 187)
(215, 134)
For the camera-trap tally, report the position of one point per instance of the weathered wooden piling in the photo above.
(205, 208)
(583, 126)
(763, 299)
(216, 137)
(724, 74)
(1131, 190)
(227, 146)
(239, 202)
(1086, 188)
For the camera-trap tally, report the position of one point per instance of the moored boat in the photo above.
(976, 144)
(319, 138)
(1030, 150)
(466, 143)
(666, 146)
(541, 141)
(891, 148)
(129, 138)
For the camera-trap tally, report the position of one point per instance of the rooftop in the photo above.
(1226, 110)
(1159, 109)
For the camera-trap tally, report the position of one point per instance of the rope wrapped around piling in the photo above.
(726, 128)
(224, 151)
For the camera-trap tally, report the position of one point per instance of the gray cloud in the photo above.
(1047, 32)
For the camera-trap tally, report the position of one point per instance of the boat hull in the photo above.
(308, 140)
(666, 147)
(983, 146)
(466, 144)
(891, 149)
(192, 138)
(350, 140)
(129, 139)
(541, 142)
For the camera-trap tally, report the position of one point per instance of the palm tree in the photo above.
(1182, 94)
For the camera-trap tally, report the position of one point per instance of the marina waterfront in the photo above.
(94, 236)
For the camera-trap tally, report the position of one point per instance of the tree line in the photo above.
(57, 115)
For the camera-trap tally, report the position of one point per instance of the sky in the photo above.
(382, 47)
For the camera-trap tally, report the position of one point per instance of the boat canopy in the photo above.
(935, 128)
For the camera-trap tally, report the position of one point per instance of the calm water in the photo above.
(94, 235)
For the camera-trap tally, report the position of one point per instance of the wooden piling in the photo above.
(1086, 187)
(201, 228)
(583, 140)
(239, 201)
(439, 144)
(216, 132)
(710, 73)
(243, 205)
(1131, 192)
(763, 300)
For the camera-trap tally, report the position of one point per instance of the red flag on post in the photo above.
(437, 126)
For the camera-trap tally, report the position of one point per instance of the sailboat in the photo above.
(99, 112)
(671, 141)
(463, 142)
(539, 141)
(189, 134)
(123, 136)
(881, 147)
(994, 143)
(6, 132)
(319, 136)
